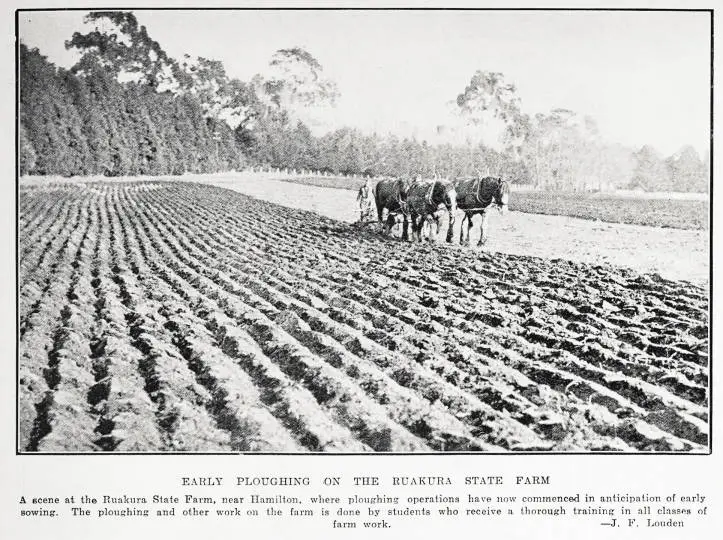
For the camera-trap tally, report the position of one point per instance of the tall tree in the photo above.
(489, 99)
(650, 171)
(563, 151)
(221, 97)
(297, 79)
(686, 171)
(51, 120)
(295, 86)
(90, 98)
(122, 47)
(27, 156)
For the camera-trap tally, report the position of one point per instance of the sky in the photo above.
(643, 76)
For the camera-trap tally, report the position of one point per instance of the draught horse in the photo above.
(477, 196)
(391, 195)
(424, 198)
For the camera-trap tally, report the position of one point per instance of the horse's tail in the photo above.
(378, 202)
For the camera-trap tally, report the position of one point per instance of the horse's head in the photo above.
(402, 191)
(444, 193)
(502, 195)
(451, 197)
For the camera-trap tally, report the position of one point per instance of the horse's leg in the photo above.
(450, 227)
(461, 229)
(405, 228)
(390, 223)
(416, 227)
(380, 216)
(469, 227)
(431, 220)
(482, 232)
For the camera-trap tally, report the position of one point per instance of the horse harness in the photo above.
(430, 194)
(403, 204)
(477, 190)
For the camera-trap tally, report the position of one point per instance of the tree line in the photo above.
(85, 125)
(127, 108)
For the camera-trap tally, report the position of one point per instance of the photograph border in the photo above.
(709, 452)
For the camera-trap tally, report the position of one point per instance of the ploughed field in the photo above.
(163, 316)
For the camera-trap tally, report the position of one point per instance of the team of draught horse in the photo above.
(420, 202)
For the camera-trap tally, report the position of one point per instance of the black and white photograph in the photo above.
(353, 231)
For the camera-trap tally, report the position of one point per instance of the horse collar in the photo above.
(478, 192)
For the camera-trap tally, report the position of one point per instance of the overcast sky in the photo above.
(643, 76)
